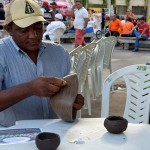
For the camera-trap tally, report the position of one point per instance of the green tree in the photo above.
(127, 2)
(84, 3)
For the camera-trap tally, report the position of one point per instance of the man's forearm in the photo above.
(72, 12)
(143, 32)
(13, 95)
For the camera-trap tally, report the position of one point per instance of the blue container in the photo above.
(89, 29)
(71, 31)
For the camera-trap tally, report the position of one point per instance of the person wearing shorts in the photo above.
(80, 22)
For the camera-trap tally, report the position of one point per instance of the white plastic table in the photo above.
(87, 134)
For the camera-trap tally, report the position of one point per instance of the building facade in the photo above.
(139, 7)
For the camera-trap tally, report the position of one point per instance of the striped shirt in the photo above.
(16, 68)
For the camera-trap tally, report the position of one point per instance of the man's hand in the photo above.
(46, 87)
(139, 37)
(84, 31)
(79, 102)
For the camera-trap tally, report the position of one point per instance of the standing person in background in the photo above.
(103, 20)
(2, 15)
(54, 10)
(80, 22)
(142, 33)
(130, 14)
(115, 27)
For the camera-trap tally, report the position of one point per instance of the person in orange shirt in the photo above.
(127, 28)
(115, 27)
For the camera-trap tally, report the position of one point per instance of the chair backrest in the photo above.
(101, 51)
(86, 56)
(137, 80)
(75, 56)
(57, 34)
(110, 43)
(97, 53)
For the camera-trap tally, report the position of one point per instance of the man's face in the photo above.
(142, 21)
(113, 17)
(29, 38)
(78, 5)
(127, 12)
(53, 6)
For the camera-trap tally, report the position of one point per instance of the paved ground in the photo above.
(120, 58)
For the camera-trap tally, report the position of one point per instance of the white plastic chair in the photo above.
(75, 56)
(57, 34)
(96, 60)
(137, 80)
(81, 61)
(83, 74)
(110, 43)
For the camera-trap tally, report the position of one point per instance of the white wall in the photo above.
(132, 2)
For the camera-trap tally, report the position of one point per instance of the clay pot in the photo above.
(47, 141)
(62, 102)
(115, 124)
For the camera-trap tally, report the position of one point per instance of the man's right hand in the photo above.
(46, 87)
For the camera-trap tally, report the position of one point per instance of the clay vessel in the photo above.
(115, 124)
(62, 102)
(47, 141)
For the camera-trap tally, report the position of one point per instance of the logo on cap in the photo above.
(28, 8)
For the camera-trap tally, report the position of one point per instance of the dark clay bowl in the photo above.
(47, 141)
(115, 124)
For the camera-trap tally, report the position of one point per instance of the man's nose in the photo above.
(32, 33)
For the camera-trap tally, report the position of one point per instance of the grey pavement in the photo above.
(120, 58)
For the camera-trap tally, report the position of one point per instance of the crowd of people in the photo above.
(129, 26)
(118, 26)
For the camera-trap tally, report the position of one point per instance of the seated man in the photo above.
(49, 34)
(31, 70)
(127, 28)
(142, 33)
(115, 27)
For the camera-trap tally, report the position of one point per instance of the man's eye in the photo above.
(39, 26)
(23, 30)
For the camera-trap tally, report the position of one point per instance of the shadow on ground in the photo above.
(117, 105)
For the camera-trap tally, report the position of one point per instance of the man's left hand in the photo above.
(79, 102)
(84, 31)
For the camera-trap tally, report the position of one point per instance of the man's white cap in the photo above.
(23, 13)
(59, 16)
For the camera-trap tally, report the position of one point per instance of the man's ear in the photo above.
(8, 29)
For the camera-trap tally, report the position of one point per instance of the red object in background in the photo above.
(45, 3)
(65, 8)
(62, 4)
(66, 11)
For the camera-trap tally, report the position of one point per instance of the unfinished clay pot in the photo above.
(62, 102)
(47, 141)
(115, 124)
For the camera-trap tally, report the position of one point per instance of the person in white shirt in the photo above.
(80, 22)
(49, 34)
